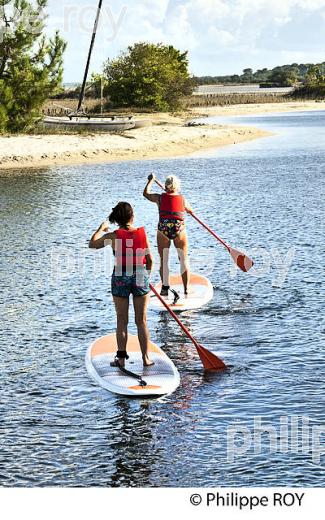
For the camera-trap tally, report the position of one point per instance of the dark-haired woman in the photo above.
(133, 264)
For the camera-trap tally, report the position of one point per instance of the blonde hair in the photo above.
(172, 184)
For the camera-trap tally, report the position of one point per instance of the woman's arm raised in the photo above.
(153, 197)
(100, 240)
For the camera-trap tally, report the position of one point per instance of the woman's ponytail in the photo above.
(122, 214)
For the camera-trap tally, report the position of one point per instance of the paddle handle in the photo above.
(209, 229)
(172, 313)
(160, 185)
(199, 221)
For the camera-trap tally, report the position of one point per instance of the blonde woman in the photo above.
(171, 228)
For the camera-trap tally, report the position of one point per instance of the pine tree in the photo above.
(31, 65)
(315, 76)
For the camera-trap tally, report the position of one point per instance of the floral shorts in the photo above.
(171, 228)
(125, 284)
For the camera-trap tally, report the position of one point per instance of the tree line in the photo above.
(280, 76)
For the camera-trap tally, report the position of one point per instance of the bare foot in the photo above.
(147, 362)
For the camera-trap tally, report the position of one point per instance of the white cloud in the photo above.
(221, 37)
(219, 34)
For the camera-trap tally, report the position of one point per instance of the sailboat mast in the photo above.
(83, 88)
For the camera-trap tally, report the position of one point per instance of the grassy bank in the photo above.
(316, 92)
(61, 107)
(212, 100)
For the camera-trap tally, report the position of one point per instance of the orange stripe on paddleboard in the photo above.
(108, 345)
(195, 279)
(148, 387)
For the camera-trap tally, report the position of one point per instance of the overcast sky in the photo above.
(222, 36)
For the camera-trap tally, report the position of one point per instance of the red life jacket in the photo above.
(172, 207)
(130, 247)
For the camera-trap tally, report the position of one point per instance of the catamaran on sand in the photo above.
(80, 119)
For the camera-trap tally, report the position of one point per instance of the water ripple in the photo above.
(59, 429)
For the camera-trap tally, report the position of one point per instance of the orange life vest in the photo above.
(130, 247)
(172, 207)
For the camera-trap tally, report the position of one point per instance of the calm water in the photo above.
(58, 429)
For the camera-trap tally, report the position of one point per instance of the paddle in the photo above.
(209, 360)
(241, 260)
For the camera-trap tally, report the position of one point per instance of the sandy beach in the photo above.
(167, 137)
(157, 141)
(258, 108)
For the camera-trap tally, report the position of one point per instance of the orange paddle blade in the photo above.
(209, 360)
(243, 261)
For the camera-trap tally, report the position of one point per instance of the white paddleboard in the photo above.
(162, 378)
(200, 293)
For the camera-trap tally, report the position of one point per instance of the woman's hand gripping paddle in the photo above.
(241, 260)
(209, 360)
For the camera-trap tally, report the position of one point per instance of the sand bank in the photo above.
(167, 137)
(158, 141)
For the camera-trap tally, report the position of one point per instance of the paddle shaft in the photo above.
(209, 229)
(209, 360)
(184, 329)
(199, 221)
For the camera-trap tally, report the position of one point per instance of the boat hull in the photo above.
(98, 125)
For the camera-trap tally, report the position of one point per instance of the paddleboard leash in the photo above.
(176, 296)
(175, 293)
(122, 355)
(141, 381)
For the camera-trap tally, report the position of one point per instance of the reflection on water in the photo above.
(57, 428)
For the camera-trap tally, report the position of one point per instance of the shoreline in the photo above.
(258, 108)
(166, 138)
(155, 142)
